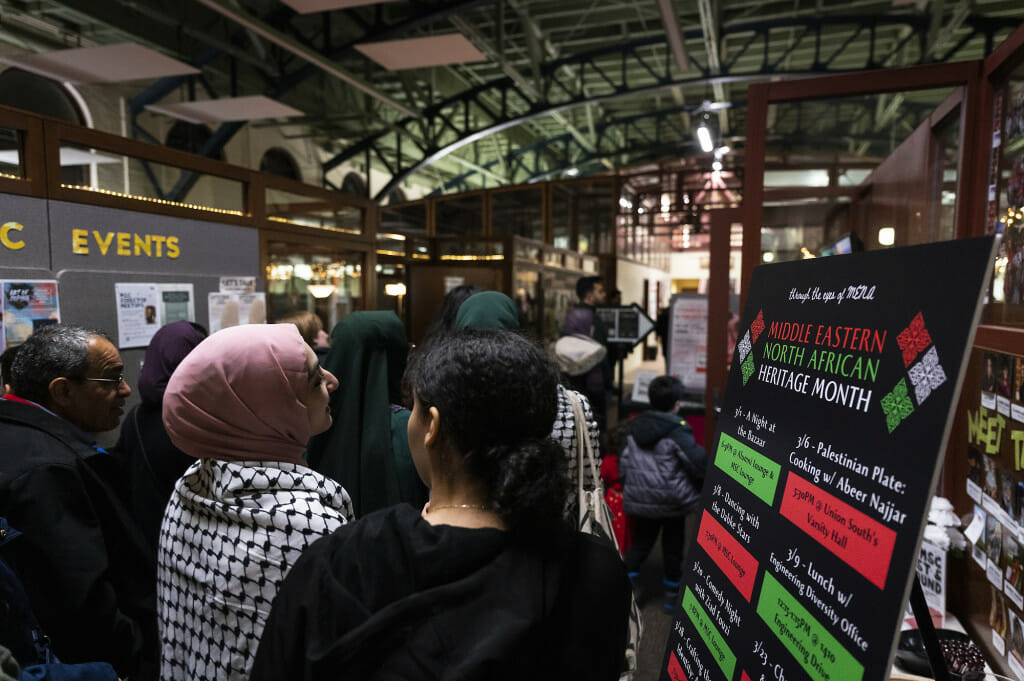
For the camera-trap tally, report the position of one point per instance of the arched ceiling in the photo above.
(562, 87)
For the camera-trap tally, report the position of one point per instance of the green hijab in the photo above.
(368, 354)
(488, 310)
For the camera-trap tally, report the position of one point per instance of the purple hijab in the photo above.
(169, 346)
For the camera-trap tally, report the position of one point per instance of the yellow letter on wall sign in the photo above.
(80, 241)
(5, 237)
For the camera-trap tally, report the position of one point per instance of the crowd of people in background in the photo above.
(280, 505)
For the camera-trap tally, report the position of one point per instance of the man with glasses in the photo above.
(84, 562)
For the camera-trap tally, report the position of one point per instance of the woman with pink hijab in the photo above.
(244, 403)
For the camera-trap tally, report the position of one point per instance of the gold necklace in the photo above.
(478, 507)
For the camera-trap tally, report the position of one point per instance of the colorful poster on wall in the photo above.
(688, 340)
(838, 405)
(27, 306)
(138, 314)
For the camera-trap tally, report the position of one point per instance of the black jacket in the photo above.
(83, 561)
(153, 463)
(393, 597)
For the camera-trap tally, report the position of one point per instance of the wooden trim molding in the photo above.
(871, 82)
(1006, 339)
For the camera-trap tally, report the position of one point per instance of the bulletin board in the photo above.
(988, 488)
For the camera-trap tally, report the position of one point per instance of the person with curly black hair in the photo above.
(486, 581)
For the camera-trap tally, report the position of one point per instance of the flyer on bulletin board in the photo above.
(837, 409)
(138, 314)
(27, 306)
(237, 285)
(177, 303)
(232, 309)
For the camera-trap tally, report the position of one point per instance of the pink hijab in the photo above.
(238, 396)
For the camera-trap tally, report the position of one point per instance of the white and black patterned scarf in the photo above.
(230, 533)
(564, 433)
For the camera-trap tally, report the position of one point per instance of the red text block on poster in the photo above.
(675, 670)
(858, 540)
(729, 555)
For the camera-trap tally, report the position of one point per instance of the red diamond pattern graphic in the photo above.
(913, 339)
(757, 326)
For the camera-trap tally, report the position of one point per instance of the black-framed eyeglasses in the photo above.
(116, 382)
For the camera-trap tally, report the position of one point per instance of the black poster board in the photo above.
(837, 407)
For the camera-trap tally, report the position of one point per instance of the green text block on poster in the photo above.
(757, 473)
(813, 647)
(713, 639)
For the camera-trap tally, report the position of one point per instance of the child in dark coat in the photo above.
(662, 467)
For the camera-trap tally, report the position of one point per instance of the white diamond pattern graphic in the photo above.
(927, 375)
(744, 346)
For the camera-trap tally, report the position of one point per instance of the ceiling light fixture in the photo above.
(704, 137)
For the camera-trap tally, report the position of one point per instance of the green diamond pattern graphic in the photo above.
(748, 368)
(897, 405)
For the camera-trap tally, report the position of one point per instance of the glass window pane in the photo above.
(527, 251)
(313, 211)
(317, 279)
(475, 249)
(584, 211)
(518, 212)
(819, 154)
(10, 153)
(527, 282)
(947, 143)
(460, 216)
(109, 172)
(1006, 204)
(407, 218)
(392, 287)
(418, 249)
(559, 290)
(391, 244)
